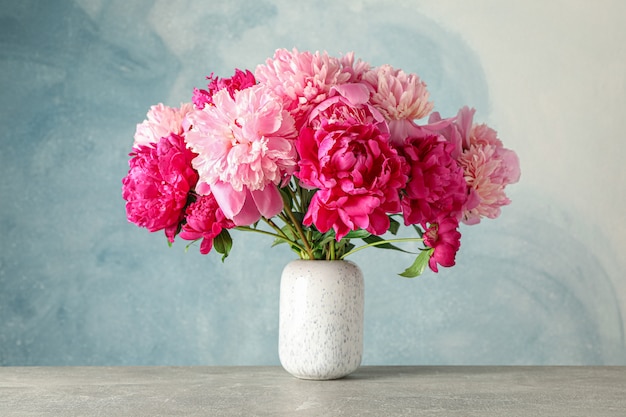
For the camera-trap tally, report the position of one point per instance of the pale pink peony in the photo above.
(161, 121)
(356, 69)
(488, 170)
(245, 147)
(204, 220)
(301, 79)
(443, 236)
(345, 152)
(238, 81)
(158, 184)
(488, 166)
(400, 97)
(436, 187)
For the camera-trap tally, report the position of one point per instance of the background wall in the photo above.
(544, 284)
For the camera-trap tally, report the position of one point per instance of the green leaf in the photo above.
(286, 197)
(299, 216)
(223, 243)
(278, 241)
(419, 265)
(394, 226)
(357, 234)
(373, 239)
(419, 231)
(325, 239)
(347, 247)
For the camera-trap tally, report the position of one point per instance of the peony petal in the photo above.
(249, 212)
(268, 201)
(355, 94)
(206, 245)
(229, 200)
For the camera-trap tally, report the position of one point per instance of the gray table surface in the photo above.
(270, 391)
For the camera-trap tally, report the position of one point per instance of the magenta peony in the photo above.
(345, 152)
(205, 220)
(158, 184)
(436, 187)
(245, 147)
(238, 81)
(445, 239)
(161, 121)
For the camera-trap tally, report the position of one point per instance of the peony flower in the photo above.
(455, 129)
(245, 147)
(239, 81)
(488, 166)
(445, 239)
(356, 69)
(488, 170)
(345, 152)
(436, 187)
(205, 220)
(161, 121)
(400, 97)
(158, 184)
(301, 79)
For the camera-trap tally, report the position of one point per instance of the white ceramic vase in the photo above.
(321, 319)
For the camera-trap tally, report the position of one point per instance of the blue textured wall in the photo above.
(544, 284)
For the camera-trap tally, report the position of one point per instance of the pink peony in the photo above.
(245, 147)
(400, 97)
(436, 187)
(445, 239)
(302, 79)
(356, 69)
(455, 129)
(345, 152)
(161, 121)
(158, 184)
(205, 220)
(488, 166)
(488, 170)
(238, 81)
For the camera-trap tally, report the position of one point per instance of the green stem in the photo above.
(275, 227)
(295, 199)
(331, 250)
(296, 224)
(287, 222)
(382, 242)
(275, 235)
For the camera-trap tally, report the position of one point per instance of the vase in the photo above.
(320, 332)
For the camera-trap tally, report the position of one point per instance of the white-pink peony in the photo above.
(245, 146)
(161, 121)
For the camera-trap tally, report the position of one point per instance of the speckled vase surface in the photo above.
(321, 319)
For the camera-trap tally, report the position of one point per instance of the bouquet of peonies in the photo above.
(317, 152)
